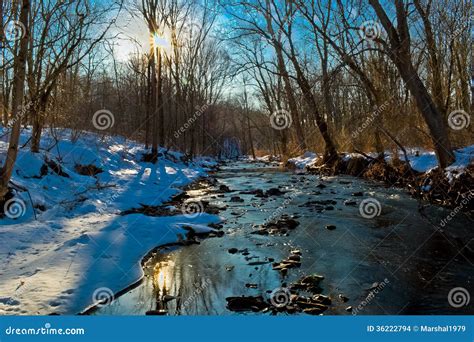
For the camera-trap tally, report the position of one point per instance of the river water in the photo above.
(398, 262)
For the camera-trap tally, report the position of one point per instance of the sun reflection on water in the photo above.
(162, 276)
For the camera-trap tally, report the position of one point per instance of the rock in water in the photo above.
(322, 299)
(156, 313)
(250, 303)
(274, 192)
(343, 298)
(314, 279)
(314, 311)
(236, 199)
(167, 298)
(224, 188)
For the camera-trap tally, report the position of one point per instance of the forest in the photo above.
(145, 117)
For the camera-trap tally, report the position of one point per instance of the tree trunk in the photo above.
(161, 107)
(17, 100)
(38, 119)
(252, 148)
(431, 114)
(330, 152)
(154, 110)
(290, 97)
(147, 105)
(399, 51)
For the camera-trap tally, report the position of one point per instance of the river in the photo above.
(398, 262)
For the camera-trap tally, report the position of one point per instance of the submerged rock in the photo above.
(274, 192)
(322, 299)
(224, 188)
(314, 279)
(256, 192)
(156, 313)
(243, 304)
(168, 298)
(309, 283)
(279, 227)
(343, 298)
(215, 225)
(236, 199)
(315, 310)
(350, 202)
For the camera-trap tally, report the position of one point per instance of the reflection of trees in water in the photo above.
(180, 275)
(161, 281)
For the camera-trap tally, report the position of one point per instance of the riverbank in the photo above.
(451, 187)
(64, 241)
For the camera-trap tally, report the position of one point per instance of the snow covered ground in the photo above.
(421, 161)
(78, 248)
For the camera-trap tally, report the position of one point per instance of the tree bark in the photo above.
(17, 100)
(154, 109)
(399, 52)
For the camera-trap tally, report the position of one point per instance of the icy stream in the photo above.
(400, 253)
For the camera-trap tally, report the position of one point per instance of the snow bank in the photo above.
(420, 160)
(79, 243)
(306, 160)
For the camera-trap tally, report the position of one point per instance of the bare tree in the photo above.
(17, 99)
(398, 48)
